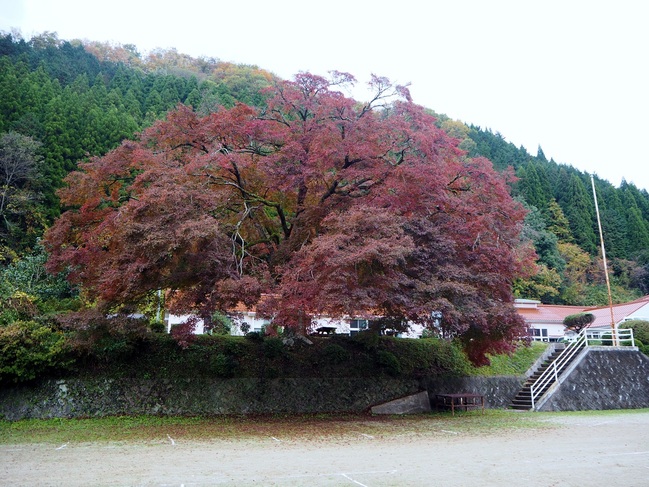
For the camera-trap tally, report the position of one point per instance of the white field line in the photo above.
(355, 481)
(62, 447)
(450, 432)
(628, 453)
(324, 474)
(335, 474)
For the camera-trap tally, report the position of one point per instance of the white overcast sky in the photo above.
(569, 75)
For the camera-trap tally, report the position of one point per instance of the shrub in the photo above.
(119, 347)
(28, 349)
(368, 339)
(273, 347)
(579, 321)
(606, 339)
(640, 329)
(222, 365)
(389, 361)
(255, 336)
(158, 326)
(19, 306)
(93, 334)
(428, 356)
(335, 354)
(221, 324)
(57, 306)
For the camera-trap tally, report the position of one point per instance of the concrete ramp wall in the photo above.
(604, 378)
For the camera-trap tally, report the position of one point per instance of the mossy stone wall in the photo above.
(604, 379)
(135, 396)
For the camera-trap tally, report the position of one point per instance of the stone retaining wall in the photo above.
(498, 391)
(604, 379)
(103, 397)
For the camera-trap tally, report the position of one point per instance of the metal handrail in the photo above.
(551, 374)
(619, 337)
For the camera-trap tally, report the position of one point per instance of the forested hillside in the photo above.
(563, 226)
(63, 102)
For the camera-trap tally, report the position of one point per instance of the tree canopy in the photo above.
(21, 216)
(579, 321)
(322, 204)
(81, 98)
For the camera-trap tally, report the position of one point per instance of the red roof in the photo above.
(536, 313)
(620, 311)
(547, 313)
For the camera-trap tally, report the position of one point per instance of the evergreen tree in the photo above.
(640, 198)
(637, 230)
(540, 155)
(21, 213)
(534, 186)
(558, 223)
(614, 223)
(578, 208)
(545, 242)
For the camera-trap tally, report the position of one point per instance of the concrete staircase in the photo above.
(523, 400)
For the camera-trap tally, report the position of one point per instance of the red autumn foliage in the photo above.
(329, 205)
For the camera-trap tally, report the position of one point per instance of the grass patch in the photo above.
(305, 427)
(241, 428)
(515, 364)
(599, 413)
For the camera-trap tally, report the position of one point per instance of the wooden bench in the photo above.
(325, 330)
(462, 401)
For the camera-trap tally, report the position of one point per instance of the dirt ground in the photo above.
(576, 450)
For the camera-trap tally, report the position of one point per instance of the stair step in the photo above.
(523, 399)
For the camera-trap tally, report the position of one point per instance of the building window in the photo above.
(356, 326)
(540, 334)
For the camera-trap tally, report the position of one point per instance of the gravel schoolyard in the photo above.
(565, 450)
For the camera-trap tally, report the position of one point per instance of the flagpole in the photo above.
(608, 284)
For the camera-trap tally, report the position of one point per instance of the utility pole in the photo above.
(608, 284)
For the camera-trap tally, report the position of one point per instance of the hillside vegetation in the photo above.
(65, 103)
(74, 100)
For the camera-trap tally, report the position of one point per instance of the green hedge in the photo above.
(158, 355)
(131, 348)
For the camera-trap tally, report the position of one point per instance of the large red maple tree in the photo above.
(329, 205)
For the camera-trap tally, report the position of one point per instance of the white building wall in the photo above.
(639, 314)
(341, 326)
(173, 320)
(255, 324)
(415, 331)
(553, 332)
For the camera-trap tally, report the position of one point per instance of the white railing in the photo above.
(551, 374)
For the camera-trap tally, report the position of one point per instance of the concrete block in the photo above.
(415, 403)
